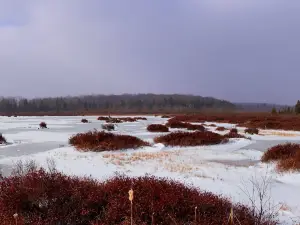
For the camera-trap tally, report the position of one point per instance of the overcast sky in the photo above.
(239, 50)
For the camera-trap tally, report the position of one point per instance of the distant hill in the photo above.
(126, 103)
(258, 107)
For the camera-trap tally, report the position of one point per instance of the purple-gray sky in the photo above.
(240, 50)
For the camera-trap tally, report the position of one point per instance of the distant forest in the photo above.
(127, 103)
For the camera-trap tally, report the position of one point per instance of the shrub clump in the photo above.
(287, 155)
(108, 127)
(157, 128)
(233, 130)
(43, 125)
(234, 135)
(2, 140)
(252, 131)
(141, 118)
(39, 197)
(165, 116)
(176, 124)
(195, 127)
(113, 120)
(191, 138)
(220, 128)
(101, 141)
(84, 121)
(104, 118)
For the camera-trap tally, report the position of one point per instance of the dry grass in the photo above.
(279, 133)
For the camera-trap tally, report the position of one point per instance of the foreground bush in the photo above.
(101, 141)
(157, 128)
(84, 121)
(53, 198)
(286, 155)
(108, 127)
(2, 139)
(252, 131)
(191, 138)
(43, 125)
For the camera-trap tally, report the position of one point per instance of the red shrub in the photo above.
(195, 127)
(43, 125)
(127, 119)
(102, 141)
(234, 135)
(43, 198)
(2, 139)
(84, 121)
(108, 127)
(190, 138)
(113, 120)
(165, 116)
(157, 128)
(103, 118)
(140, 118)
(233, 130)
(292, 163)
(252, 131)
(220, 128)
(212, 125)
(281, 152)
(177, 124)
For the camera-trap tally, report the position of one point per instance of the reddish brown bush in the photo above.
(157, 128)
(281, 152)
(220, 128)
(2, 139)
(165, 116)
(190, 138)
(53, 198)
(234, 135)
(84, 121)
(233, 130)
(108, 127)
(287, 155)
(102, 141)
(127, 119)
(195, 127)
(141, 118)
(252, 131)
(113, 120)
(212, 125)
(43, 125)
(292, 163)
(177, 124)
(103, 118)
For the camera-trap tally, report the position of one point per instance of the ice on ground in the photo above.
(225, 169)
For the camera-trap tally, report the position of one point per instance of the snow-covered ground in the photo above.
(226, 169)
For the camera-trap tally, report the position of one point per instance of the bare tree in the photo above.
(51, 164)
(21, 168)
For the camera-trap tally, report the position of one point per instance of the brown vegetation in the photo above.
(157, 128)
(191, 138)
(2, 139)
(252, 131)
(287, 155)
(108, 127)
(103, 118)
(84, 121)
(101, 141)
(38, 197)
(43, 125)
(220, 128)
(233, 133)
(195, 127)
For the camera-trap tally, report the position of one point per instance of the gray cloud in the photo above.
(236, 50)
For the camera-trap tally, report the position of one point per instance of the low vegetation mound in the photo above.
(2, 140)
(233, 130)
(141, 118)
(84, 121)
(195, 127)
(113, 120)
(43, 125)
(101, 141)
(108, 127)
(220, 128)
(157, 128)
(165, 116)
(39, 197)
(177, 124)
(287, 155)
(252, 131)
(104, 118)
(233, 133)
(191, 138)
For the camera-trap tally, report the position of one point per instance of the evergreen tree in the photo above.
(297, 107)
(274, 111)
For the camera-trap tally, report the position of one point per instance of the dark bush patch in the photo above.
(101, 141)
(220, 128)
(157, 128)
(141, 118)
(177, 124)
(2, 139)
(252, 131)
(108, 126)
(84, 121)
(287, 156)
(195, 127)
(113, 120)
(53, 198)
(234, 135)
(191, 138)
(233, 130)
(103, 118)
(43, 125)
(165, 116)
(212, 125)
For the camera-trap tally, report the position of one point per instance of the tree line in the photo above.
(288, 110)
(127, 103)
